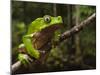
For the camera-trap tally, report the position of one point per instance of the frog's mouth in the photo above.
(53, 27)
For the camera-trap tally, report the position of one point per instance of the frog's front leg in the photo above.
(55, 39)
(27, 40)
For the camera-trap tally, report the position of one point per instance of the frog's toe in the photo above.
(23, 58)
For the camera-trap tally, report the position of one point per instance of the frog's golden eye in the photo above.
(47, 18)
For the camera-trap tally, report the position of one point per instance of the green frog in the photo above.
(40, 31)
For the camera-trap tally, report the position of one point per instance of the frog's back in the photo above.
(31, 29)
(34, 26)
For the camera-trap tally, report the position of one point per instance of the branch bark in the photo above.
(64, 36)
(15, 66)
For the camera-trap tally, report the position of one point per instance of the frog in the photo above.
(40, 31)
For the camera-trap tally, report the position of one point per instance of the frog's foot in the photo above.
(54, 44)
(25, 59)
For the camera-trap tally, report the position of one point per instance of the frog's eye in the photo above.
(47, 18)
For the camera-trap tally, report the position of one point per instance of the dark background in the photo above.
(75, 53)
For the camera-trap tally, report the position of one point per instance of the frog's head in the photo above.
(45, 22)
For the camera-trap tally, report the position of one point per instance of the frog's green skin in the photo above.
(36, 26)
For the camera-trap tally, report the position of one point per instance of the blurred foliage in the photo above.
(86, 11)
(23, 13)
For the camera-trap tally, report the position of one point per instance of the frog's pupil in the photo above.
(47, 19)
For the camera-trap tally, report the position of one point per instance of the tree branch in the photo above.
(64, 36)
(77, 28)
